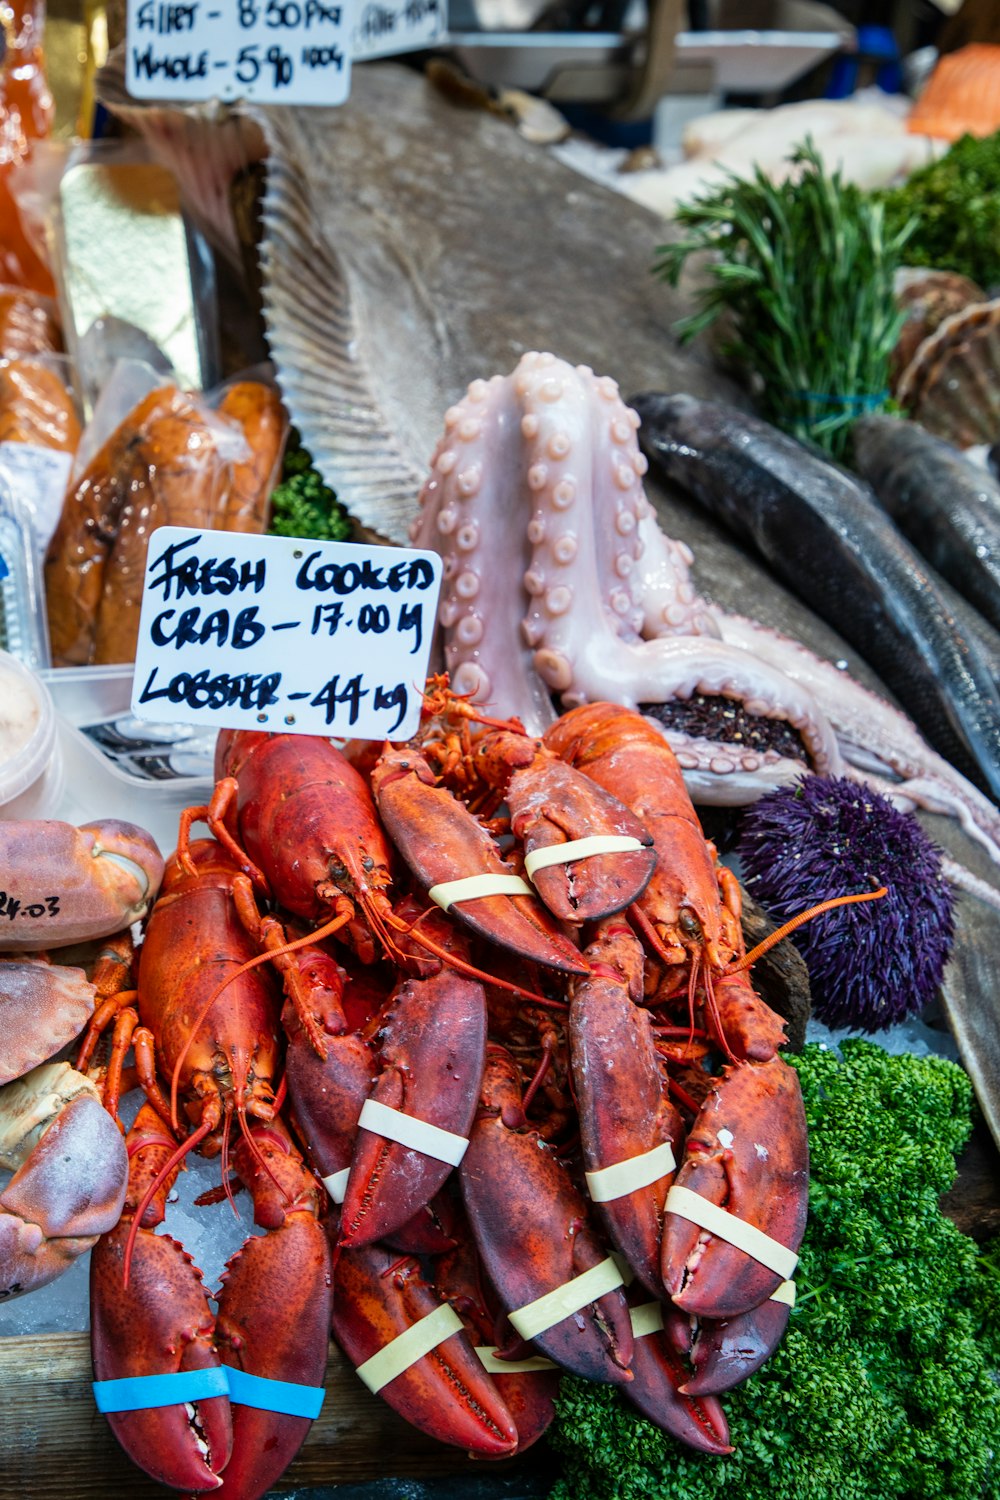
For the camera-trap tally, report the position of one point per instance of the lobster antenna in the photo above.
(258, 1154)
(794, 923)
(712, 1016)
(193, 1140)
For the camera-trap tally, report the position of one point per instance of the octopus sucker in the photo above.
(558, 580)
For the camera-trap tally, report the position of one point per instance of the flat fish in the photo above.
(823, 533)
(948, 507)
(410, 248)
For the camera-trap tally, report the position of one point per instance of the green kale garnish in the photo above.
(885, 1385)
(303, 504)
(955, 202)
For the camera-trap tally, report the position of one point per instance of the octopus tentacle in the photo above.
(559, 581)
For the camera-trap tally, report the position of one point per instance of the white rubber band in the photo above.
(646, 1319)
(448, 892)
(734, 1231)
(565, 854)
(430, 1140)
(605, 1184)
(407, 1347)
(546, 1311)
(336, 1184)
(494, 1366)
(785, 1293)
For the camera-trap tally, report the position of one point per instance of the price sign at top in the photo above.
(269, 51)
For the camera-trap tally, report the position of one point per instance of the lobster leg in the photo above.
(747, 1153)
(274, 1308)
(531, 1229)
(161, 1323)
(446, 1393)
(432, 1052)
(626, 1118)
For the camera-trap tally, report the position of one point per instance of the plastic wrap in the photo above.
(29, 323)
(26, 112)
(174, 460)
(39, 433)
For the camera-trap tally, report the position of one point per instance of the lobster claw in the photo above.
(274, 1308)
(747, 1153)
(445, 1392)
(441, 842)
(658, 1389)
(727, 1353)
(159, 1323)
(70, 1175)
(552, 804)
(626, 1120)
(432, 1050)
(531, 1229)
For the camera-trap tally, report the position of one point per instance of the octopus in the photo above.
(560, 588)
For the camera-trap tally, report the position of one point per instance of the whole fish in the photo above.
(824, 534)
(949, 508)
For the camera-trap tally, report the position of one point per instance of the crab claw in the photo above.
(44, 1006)
(746, 1153)
(432, 1035)
(70, 1175)
(446, 1393)
(531, 1228)
(441, 841)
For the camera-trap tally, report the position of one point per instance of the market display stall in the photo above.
(453, 318)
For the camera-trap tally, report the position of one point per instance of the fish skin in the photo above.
(824, 534)
(947, 507)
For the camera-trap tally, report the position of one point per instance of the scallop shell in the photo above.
(952, 384)
(204, 145)
(927, 297)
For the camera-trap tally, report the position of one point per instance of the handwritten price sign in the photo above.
(271, 51)
(251, 632)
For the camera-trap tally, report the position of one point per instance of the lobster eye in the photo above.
(689, 924)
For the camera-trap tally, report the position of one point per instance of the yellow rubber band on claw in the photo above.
(565, 854)
(719, 1221)
(646, 1319)
(336, 1184)
(605, 1184)
(785, 1293)
(407, 1347)
(546, 1311)
(408, 1130)
(447, 892)
(493, 1365)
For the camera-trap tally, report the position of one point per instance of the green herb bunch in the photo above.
(884, 1385)
(956, 204)
(302, 503)
(804, 270)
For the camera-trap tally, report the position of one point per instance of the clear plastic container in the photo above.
(31, 776)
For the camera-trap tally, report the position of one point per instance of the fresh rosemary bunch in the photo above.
(804, 271)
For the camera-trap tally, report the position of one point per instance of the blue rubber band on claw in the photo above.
(275, 1395)
(139, 1392)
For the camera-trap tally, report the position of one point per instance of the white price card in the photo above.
(270, 51)
(275, 633)
(384, 27)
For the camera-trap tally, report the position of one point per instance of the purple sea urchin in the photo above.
(869, 965)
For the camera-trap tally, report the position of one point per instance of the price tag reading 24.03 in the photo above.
(270, 51)
(252, 632)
